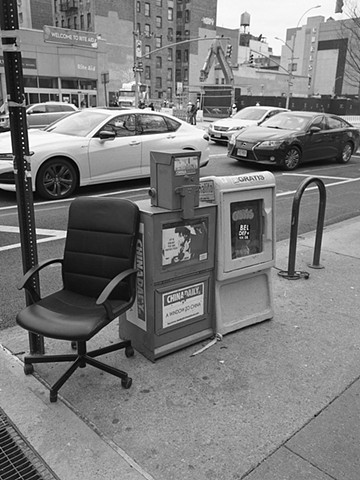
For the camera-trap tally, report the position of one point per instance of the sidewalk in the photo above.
(277, 400)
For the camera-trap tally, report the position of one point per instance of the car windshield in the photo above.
(250, 114)
(78, 124)
(287, 121)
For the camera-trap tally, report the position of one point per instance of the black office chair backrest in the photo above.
(100, 243)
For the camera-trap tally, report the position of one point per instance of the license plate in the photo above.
(217, 135)
(241, 152)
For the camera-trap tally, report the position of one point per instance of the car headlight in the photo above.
(233, 138)
(236, 128)
(270, 143)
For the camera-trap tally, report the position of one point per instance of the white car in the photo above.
(97, 145)
(40, 115)
(222, 130)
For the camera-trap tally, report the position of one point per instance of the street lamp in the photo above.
(292, 50)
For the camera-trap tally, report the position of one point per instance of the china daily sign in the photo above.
(70, 37)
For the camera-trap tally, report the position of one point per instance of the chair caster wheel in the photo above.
(28, 368)
(126, 382)
(53, 397)
(129, 351)
(74, 345)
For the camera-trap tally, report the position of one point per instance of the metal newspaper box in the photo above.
(174, 306)
(245, 247)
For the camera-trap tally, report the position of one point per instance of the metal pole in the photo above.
(9, 25)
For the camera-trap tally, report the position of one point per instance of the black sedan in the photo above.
(291, 138)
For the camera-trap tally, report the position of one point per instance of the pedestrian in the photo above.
(233, 110)
(190, 112)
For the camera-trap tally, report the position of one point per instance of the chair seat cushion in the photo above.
(65, 315)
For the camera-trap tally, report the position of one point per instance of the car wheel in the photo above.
(57, 178)
(292, 159)
(346, 153)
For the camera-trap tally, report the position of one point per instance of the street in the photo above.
(343, 200)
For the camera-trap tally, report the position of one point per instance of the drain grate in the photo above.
(18, 460)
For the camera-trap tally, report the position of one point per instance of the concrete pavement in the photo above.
(277, 400)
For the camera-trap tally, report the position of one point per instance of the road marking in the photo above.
(291, 192)
(51, 235)
(318, 176)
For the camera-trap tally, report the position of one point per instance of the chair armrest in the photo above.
(35, 269)
(113, 283)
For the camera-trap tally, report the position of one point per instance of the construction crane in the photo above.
(216, 52)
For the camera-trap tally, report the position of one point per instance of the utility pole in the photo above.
(9, 25)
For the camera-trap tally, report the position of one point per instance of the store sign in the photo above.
(26, 62)
(70, 37)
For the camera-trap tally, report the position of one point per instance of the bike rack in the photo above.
(291, 274)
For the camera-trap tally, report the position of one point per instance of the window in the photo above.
(147, 30)
(186, 75)
(30, 82)
(158, 42)
(75, 23)
(138, 7)
(186, 56)
(48, 82)
(147, 9)
(170, 14)
(122, 126)
(37, 109)
(147, 73)
(147, 51)
(88, 19)
(336, 123)
(178, 55)
(319, 122)
(170, 55)
(150, 124)
(159, 22)
(158, 62)
(69, 83)
(158, 82)
(69, 22)
(82, 24)
(169, 74)
(187, 16)
(158, 3)
(170, 35)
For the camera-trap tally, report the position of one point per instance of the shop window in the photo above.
(48, 82)
(69, 83)
(30, 82)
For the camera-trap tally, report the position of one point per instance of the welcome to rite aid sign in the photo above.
(66, 36)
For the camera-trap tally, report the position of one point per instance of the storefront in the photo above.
(60, 65)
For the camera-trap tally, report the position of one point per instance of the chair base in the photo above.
(80, 360)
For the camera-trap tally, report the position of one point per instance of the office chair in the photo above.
(98, 285)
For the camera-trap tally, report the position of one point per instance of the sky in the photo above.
(272, 18)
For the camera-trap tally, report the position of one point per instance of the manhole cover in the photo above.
(18, 460)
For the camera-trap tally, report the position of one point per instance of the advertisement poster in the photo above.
(182, 304)
(246, 228)
(185, 241)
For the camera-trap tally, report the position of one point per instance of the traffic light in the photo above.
(251, 58)
(229, 50)
(339, 6)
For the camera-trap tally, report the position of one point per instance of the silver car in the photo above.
(40, 115)
(222, 130)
